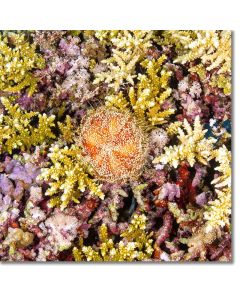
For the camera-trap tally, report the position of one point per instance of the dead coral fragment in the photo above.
(113, 144)
(68, 176)
(193, 146)
(135, 244)
(17, 60)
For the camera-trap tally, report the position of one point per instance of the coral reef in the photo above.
(115, 145)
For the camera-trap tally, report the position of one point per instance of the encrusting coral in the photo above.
(115, 145)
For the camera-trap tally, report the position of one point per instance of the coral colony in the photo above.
(115, 145)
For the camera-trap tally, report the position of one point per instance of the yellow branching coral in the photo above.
(218, 211)
(105, 36)
(148, 95)
(67, 130)
(212, 47)
(179, 38)
(193, 146)
(68, 176)
(17, 131)
(173, 128)
(135, 245)
(222, 81)
(128, 48)
(17, 60)
(223, 157)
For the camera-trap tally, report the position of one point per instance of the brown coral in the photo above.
(114, 144)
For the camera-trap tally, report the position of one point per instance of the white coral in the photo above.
(62, 230)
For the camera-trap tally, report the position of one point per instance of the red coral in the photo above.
(187, 190)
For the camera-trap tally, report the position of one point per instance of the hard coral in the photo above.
(193, 146)
(62, 229)
(18, 59)
(148, 99)
(68, 176)
(129, 47)
(135, 244)
(17, 131)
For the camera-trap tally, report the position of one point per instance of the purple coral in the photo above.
(169, 191)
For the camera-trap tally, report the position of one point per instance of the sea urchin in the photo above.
(114, 144)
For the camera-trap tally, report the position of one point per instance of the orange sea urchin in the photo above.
(114, 144)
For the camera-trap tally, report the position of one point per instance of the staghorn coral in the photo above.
(212, 47)
(18, 59)
(218, 211)
(129, 48)
(193, 147)
(16, 131)
(170, 191)
(67, 130)
(135, 244)
(148, 98)
(68, 176)
(113, 144)
(163, 233)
